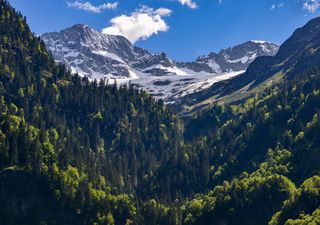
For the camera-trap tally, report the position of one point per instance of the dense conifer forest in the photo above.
(74, 151)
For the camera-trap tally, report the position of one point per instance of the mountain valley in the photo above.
(77, 148)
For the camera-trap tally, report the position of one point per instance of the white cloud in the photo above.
(140, 24)
(163, 11)
(275, 6)
(87, 6)
(311, 5)
(189, 3)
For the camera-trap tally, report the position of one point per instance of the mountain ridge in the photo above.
(101, 56)
(297, 52)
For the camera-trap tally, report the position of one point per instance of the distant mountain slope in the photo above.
(100, 56)
(300, 51)
(236, 58)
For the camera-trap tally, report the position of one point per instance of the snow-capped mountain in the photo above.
(96, 55)
(232, 59)
(93, 54)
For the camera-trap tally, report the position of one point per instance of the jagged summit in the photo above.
(235, 58)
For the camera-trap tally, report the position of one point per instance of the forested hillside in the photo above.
(87, 140)
(79, 152)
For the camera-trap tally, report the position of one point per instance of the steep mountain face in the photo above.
(300, 51)
(93, 54)
(96, 55)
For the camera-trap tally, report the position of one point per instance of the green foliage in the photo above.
(312, 219)
(256, 193)
(110, 220)
(70, 180)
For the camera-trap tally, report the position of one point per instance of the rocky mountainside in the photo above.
(93, 54)
(300, 51)
(232, 59)
(98, 56)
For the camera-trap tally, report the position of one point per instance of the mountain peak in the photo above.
(80, 26)
(234, 58)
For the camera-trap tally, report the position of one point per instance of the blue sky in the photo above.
(184, 29)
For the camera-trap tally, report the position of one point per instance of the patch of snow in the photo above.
(258, 41)
(243, 60)
(108, 55)
(215, 66)
(206, 83)
(77, 61)
(72, 54)
(176, 70)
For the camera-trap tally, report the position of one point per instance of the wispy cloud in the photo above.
(311, 5)
(89, 7)
(140, 24)
(276, 6)
(189, 3)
